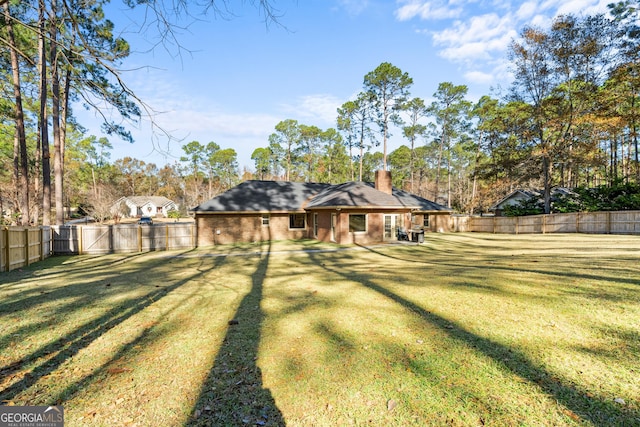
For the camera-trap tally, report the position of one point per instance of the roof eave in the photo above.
(367, 207)
(196, 211)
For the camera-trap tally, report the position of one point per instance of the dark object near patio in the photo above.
(402, 234)
(145, 220)
(417, 236)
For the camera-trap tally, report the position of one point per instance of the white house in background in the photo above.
(155, 206)
(518, 196)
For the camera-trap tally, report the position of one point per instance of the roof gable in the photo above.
(519, 195)
(419, 203)
(353, 194)
(285, 196)
(263, 196)
(139, 201)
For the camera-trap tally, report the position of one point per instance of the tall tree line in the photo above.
(57, 51)
(56, 54)
(570, 118)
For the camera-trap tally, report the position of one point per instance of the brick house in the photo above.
(353, 212)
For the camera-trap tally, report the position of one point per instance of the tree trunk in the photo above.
(55, 115)
(439, 164)
(43, 123)
(547, 183)
(411, 161)
(351, 161)
(64, 109)
(21, 166)
(361, 162)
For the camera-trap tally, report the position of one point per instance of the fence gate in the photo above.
(122, 238)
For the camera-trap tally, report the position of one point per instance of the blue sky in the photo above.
(235, 78)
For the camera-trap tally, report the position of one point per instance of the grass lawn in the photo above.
(464, 330)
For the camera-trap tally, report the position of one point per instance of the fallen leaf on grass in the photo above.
(391, 404)
(572, 415)
(115, 371)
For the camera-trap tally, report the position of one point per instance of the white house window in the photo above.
(265, 220)
(297, 221)
(357, 222)
(426, 220)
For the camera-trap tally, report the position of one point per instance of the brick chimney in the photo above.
(383, 181)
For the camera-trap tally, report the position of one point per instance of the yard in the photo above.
(464, 330)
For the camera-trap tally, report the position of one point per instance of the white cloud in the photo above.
(583, 7)
(477, 34)
(315, 108)
(354, 7)
(478, 38)
(479, 77)
(527, 10)
(430, 9)
(218, 122)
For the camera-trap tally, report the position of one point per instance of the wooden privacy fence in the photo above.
(122, 238)
(21, 246)
(619, 222)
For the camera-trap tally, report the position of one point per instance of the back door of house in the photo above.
(391, 224)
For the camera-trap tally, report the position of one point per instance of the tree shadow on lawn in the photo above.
(515, 266)
(233, 393)
(147, 334)
(579, 402)
(79, 277)
(51, 356)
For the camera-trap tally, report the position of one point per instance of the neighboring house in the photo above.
(353, 212)
(518, 196)
(155, 206)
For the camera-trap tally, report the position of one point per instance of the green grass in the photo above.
(465, 330)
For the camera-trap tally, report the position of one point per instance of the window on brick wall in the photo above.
(297, 220)
(426, 220)
(265, 220)
(357, 222)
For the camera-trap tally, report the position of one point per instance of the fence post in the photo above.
(166, 244)
(609, 222)
(41, 246)
(577, 222)
(139, 238)
(26, 246)
(7, 252)
(80, 242)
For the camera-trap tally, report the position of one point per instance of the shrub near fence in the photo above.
(619, 222)
(21, 246)
(122, 238)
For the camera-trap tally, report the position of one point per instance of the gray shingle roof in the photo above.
(263, 196)
(156, 200)
(419, 203)
(283, 196)
(353, 194)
